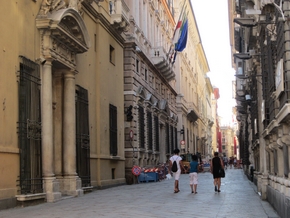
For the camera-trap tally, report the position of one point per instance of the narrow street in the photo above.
(237, 198)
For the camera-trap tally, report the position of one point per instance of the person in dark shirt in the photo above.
(193, 174)
(215, 165)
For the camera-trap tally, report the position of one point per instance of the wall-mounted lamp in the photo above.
(243, 56)
(248, 97)
(246, 77)
(249, 100)
(246, 22)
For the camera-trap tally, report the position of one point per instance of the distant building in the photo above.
(228, 141)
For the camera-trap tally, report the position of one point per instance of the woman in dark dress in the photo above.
(215, 165)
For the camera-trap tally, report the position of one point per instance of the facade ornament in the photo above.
(280, 143)
(51, 5)
(76, 4)
(55, 5)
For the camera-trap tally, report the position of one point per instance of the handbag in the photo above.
(222, 173)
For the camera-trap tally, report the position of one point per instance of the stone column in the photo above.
(263, 173)
(72, 183)
(50, 184)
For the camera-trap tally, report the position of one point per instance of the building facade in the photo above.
(88, 91)
(163, 99)
(228, 139)
(215, 127)
(149, 91)
(260, 44)
(194, 92)
(62, 121)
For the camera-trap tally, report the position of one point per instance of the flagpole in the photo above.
(176, 24)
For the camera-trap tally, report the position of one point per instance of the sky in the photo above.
(213, 25)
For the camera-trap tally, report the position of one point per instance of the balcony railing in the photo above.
(162, 63)
(119, 12)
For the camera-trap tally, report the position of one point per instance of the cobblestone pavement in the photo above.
(237, 198)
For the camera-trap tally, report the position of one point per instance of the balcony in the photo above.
(161, 62)
(192, 114)
(119, 12)
(210, 121)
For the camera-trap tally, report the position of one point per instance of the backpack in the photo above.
(174, 167)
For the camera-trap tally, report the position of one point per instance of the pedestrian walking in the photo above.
(225, 162)
(231, 162)
(176, 175)
(215, 165)
(193, 179)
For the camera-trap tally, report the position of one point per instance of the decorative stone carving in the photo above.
(280, 143)
(55, 5)
(76, 4)
(63, 35)
(51, 5)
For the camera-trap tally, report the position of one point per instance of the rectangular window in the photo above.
(156, 128)
(275, 162)
(153, 82)
(29, 128)
(113, 173)
(171, 139)
(111, 7)
(286, 160)
(112, 55)
(95, 42)
(175, 137)
(113, 131)
(146, 75)
(83, 136)
(141, 127)
(137, 66)
(167, 139)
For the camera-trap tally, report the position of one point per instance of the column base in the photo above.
(72, 185)
(51, 189)
(264, 184)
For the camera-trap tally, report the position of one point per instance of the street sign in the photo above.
(136, 170)
(131, 134)
(182, 144)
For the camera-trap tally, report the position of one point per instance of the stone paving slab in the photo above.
(157, 200)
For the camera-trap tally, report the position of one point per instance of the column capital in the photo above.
(70, 73)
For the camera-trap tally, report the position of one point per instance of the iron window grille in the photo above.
(141, 127)
(171, 140)
(167, 139)
(156, 128)
(285, 95)
(268, 75)
(175, 138)
(29, 128)
(83, 136)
